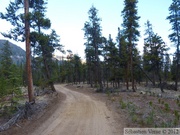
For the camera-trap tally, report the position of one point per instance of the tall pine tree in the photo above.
(123, 55)
(10, 78)
(93, 36)
(44, 44)
(174, 19)
(131, 33)
(21, 32)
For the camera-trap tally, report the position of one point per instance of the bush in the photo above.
(150, 103)
(159, 100)
(134, 118)
(122, 104)
(150, 118)
(166, 106)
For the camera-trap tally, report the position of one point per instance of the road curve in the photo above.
(79, 114)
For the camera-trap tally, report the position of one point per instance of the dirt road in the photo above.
(79, 114)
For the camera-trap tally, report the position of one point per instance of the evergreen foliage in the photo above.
(155, 51)
(43, 44)
(18, 54)
(20, 32)
(111, 61)
(131, 34)
(107, 61)
(10, 75)
(93, 35)
(174, 19)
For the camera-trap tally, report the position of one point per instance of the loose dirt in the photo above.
(75, 113)
(78, 115)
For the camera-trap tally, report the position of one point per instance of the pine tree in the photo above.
(5, 64)
(148, 32)
(10, 75)
(173, 69)
(21, 32)
(123, 56)
(155, 53)
(174, 19)
(166, 69)
(43, 44)
(146, 54)
(6, 60)
(111, 59)
(130, 25)
(93, 36)
(76, 60)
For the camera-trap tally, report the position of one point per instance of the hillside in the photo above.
(18, 54)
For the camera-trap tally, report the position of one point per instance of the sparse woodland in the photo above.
(111, 65)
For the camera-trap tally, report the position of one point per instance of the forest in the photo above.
(110, 65)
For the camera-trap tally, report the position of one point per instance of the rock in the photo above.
(159, 95)
(153, 94)
(148, 93)
(79, 86)
(143, 92)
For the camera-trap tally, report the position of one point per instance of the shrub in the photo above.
(123, 104)
(162, 102)
(134, 118)
(150, 103)
(159, 100)
(150, 118)
(177, 101)
(166, 106)
(177, 116)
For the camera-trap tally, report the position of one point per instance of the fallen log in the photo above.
(24, 112)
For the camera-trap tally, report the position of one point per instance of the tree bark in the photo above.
(48, 74)
(131, 66)
(28, 52)
(98, 77)
(178, 59)
(127, 76)
(160, 80)
(146, 74)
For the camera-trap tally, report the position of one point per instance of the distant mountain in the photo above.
(18, 54)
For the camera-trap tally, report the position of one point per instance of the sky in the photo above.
(68, 18)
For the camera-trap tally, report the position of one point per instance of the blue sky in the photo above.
(68, 18)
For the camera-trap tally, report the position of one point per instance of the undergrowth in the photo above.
(152, 115)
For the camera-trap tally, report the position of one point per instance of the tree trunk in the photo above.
(146, 74)
(28, 53)
(178, 54)
(154, 80)
(177, 73)
(48, 75)
(127, 78)
(160, 81)
(131, 66)
(98, 69)
(177, 64)
(107, 84)
(146, 82)
(99, 75)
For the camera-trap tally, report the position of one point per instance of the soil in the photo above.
(148, 107)
(78, 110)
(72, 112)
